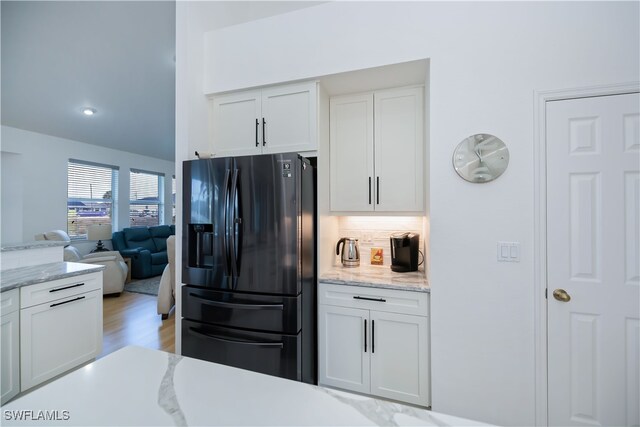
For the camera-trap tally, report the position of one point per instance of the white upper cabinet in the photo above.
(235, 127)
(377, 151)
(290, 115)
(399, 150)
(273, 120)
(351, 136)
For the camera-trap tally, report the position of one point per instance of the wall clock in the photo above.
(481, 158)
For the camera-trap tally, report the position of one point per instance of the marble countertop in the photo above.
(138, 386)
(377, 277)
(6, 247)
(25, 276)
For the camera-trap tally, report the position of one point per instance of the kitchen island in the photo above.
(139, 386)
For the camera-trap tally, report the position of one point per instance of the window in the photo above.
(91, 196)
(146, 191)
(173, 199)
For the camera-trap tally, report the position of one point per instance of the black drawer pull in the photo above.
(238, 305)
(370, 299)
(66, 302)
(373, 336)
(365, 335)
(254, 343)
(66, 287)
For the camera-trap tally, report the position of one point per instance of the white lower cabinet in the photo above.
(62, 332)
(9, 346)
(369, 346)
(341, 336)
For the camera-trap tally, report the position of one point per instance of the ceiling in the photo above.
(116, 57)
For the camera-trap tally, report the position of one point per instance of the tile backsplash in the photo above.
(374, 232)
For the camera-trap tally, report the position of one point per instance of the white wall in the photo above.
(12, 197)
(43, 174)
(486, 61)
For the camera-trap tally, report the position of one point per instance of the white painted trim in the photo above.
(540, 226)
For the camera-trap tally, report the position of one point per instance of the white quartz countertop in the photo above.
(6, 247)
(137, 386)
(25, 276)
(376, 277)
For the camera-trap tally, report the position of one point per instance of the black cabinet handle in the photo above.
(264, 138)
(257, 124)
(253, 343)
(66, 287)
(370, 299)
(377, 190)
(66, 302)
(373, 336)
(365, 335)
(369, 190)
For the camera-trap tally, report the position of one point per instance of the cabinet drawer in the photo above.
(389, 300)
(59, 336)
(9, 301)
(57, 289)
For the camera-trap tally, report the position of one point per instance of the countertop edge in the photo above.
(405, 288)
(37, 244)
(34, 279)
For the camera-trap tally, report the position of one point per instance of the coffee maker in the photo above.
(404, 252)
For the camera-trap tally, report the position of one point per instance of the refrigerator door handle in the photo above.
(227, 340)
(234, 220)
(227, 175)
(238, 305)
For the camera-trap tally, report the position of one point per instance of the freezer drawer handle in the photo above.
(370, 299)
(66, 287)
(66, 302)
(238, 305)
(254, 343)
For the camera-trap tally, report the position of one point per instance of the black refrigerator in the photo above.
(248, 264)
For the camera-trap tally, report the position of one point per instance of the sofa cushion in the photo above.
(139, 237)
(160, 234)
(159, 258)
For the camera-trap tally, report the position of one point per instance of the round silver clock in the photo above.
(481, 158)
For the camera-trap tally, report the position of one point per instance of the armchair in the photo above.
(167, 290)
(115, 271)
(146, 246)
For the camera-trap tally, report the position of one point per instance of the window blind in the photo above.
(145, 198)
(91, 196)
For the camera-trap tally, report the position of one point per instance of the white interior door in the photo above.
(593, 204)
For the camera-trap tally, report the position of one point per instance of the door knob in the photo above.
(561, 295)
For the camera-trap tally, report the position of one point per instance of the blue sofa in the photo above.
(147, 248)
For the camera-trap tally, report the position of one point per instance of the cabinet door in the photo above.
(400, 357)
(234, 129)
(10, 356)
(59, 335)
(343, 348)
(290, 115)
(399, 150)
(351, 150)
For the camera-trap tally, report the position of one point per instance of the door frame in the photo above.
(540, 226)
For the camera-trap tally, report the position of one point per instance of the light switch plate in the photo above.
(508, 251)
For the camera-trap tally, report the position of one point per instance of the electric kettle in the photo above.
(350, 255)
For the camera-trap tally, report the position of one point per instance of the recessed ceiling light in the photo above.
(88, 111)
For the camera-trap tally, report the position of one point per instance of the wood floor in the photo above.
(131, 319)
